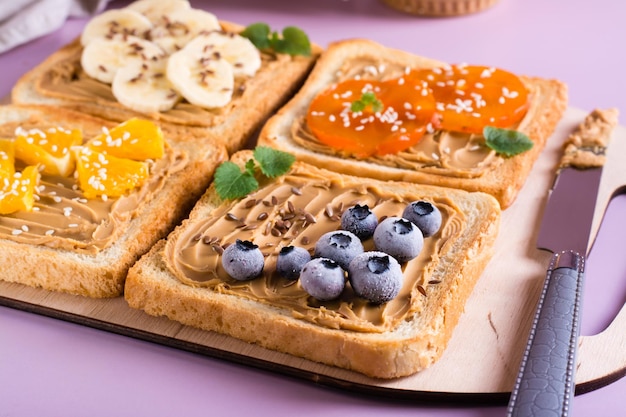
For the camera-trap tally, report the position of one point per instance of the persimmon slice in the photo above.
(394, 117)
(470, 97)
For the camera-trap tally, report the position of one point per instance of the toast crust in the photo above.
(501, 177)
(101, 273)
(413, 343)
(60, 81)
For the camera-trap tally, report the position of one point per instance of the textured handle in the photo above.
(545, 383)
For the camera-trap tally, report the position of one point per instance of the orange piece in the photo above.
(48, 148)
(471, 97)
(101, 174)
(18, 190)
(135, 139)
(7, 158)
(407, 109)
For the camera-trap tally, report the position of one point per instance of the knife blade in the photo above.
(546, 380)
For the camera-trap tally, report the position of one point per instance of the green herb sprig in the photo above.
(232, 182)
(367, 99)
(292, 40)
(506, 142)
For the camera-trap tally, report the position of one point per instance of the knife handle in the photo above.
(545, 383)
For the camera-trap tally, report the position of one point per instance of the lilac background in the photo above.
(53, 368)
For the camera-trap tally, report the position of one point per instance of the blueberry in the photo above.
(340, 246)
(290, 261)
(359, 220)
(399, 238)
(425, 216)
(375, 276)
(243, 260)
(323, 279)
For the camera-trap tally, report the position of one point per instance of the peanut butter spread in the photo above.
(459, 155)
(67, 80)
(63, 218)
(297, 209)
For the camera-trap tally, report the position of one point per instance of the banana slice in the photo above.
(155, 10)
(175, 30)
(202, 81)
(103, 57)
(236, 50)
(114, 22)
(143, 87)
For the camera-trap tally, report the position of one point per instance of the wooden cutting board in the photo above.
(483, 356)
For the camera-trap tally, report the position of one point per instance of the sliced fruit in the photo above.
(124, 22)
(240, 52)
(471, 97)
(157, 9)
(103, 175)
(174, 30)
(7, 158)
(365, 118)
(103, 57)
(135, 139)
(50, 149)
(17, 192)
(144, 87)
(201, 80)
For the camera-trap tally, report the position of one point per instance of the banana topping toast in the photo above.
(82, 198)
(373, 111)
(362, 274)
(174, 64)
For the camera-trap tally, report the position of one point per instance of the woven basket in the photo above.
(440, 7)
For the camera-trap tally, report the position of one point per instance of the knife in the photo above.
(545, 382)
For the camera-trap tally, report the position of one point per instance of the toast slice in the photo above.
(181, 277)
(72, 244)
(60, 80)
(422, 163)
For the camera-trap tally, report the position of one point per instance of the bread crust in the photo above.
(102, 274)
(412, 346)
(503, 181)
(270, 88)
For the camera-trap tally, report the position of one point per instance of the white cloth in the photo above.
(24, 20)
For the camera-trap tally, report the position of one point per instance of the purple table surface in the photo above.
(54, 368)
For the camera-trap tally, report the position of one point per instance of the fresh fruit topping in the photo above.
(144, 87)
(50, 149)
(424, 215)
(399, 238)
(17, 191)
(375, 276)
(103, 175)
(340, 246)
(470, 97)
(175, 30)
(103, 57)
(7, 158)
(243, 260)
(231, 182)
(124, 22)
(157, 10)
(359, 220)
(292, 40)
(200, 79)
(135, 139)
(323, 279)
(236, 50)
(290, 261)
(391, 116)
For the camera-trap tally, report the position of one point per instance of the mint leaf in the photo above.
(506, 142)
(273, 162)
(367, 99)
(231, 182)
(293, 42)
(258, 33)
(250, 166)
